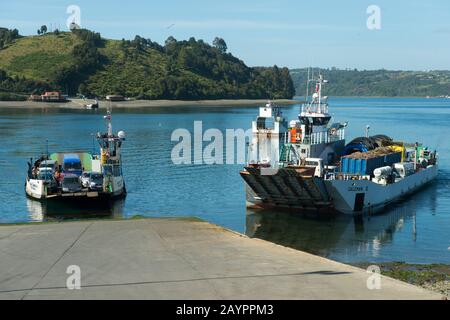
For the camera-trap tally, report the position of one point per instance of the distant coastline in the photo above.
(380, 83)
(79, 104)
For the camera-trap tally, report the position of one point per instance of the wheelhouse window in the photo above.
(265, 123)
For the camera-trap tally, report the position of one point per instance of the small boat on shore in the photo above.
(80, 177)
(92, 106)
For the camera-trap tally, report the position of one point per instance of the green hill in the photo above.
(83, 62)
(378, 82)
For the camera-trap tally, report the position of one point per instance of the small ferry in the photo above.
(80, 177)
(306, 163)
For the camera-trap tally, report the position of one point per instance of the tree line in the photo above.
(353, 82)
(193, 69)
(8, 36)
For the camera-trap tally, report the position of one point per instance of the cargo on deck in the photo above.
(364, 163)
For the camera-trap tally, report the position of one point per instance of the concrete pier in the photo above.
(172, 259)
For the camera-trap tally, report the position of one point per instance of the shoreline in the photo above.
(430, 276)
(79, 104)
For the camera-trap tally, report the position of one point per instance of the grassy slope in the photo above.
(38, 57)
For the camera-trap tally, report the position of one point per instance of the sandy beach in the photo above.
(80, 104)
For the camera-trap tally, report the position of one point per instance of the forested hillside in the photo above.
(82, 62)
(378, 83)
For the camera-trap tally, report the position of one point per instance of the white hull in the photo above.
(372, 196)
(36, 189)
(345, 196)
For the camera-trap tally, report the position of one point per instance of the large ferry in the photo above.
(306, 163)
(80, 177)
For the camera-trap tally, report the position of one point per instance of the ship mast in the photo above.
(307, 86)
(109, 116)
(319, 109)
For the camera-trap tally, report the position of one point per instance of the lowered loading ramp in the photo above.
(292, 187)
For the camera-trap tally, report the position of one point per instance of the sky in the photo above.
(413, 34)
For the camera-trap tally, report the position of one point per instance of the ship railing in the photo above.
(317, 137)
(315, 108)
(324, 137)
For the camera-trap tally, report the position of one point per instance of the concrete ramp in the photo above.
(172, 259)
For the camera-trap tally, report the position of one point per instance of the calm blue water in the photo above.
(415, 230)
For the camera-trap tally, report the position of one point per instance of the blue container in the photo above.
(367, 166)
(363, 166)
(344, 165)
(358, 166)
(351, 166)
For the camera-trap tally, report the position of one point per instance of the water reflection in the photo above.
(57, 211)
(343, 236)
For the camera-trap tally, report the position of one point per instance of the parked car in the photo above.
(85, 179)
(96, 182)
(48, 165)
(92, 180)
(47, 175)
(71, 183)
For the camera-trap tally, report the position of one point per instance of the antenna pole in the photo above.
(307, 86)
(110, 133)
